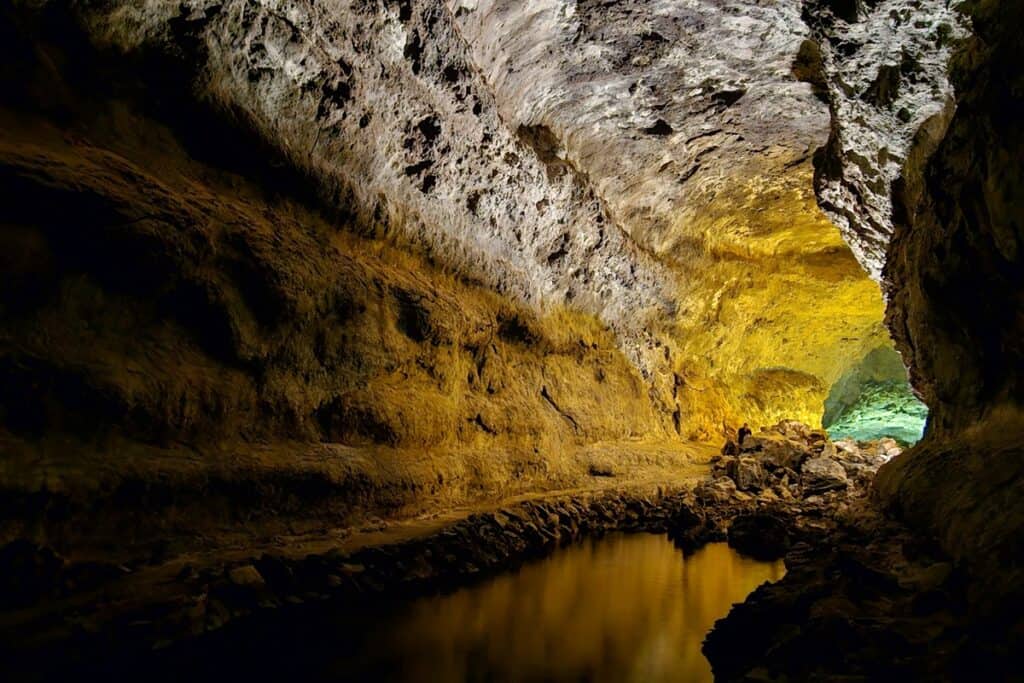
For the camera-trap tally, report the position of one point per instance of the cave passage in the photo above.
(625, 607)
(311, 311)
(874, 400)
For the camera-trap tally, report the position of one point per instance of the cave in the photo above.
(874, 400)
(408, 340)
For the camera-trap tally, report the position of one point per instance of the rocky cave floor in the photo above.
(862, 599)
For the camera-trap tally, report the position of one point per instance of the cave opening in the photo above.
(874, 400)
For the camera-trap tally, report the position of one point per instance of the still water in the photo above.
(620, 608)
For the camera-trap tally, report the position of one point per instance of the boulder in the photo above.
(888, 448)
(819, 475)
(747, 473)
(246, 576)
(720, 465)
(775, 450)
(718, 491)
(760, 535)
(846, 446)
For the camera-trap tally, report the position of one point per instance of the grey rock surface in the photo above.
(624, 159)
(381, 102)
(884, 67)
(667, 106)
(819, 475)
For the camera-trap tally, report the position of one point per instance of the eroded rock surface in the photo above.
(687, 120)
(956, 274)
(647, 163)
(288, 262)
(186, 331)
(875, 399)
(883, 68)
(863, 595)
(381, 102)
(864, 598)
(672, 110)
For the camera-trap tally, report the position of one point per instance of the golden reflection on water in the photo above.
(621, 608)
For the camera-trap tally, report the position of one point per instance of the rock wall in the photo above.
(875, 399)
(955, 298)
(380, 102)
(954, 266)
(185, 331)
(482, 226)
(687, 120)
(921, 175)
(882, 67)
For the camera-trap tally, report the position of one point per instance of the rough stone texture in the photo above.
(790, 460)
(747, 474)
(482, 135)
(380, 102)
(864, 599)
(967, 491)
(865, 596)
(687, 120)
(632, 179)
(180, 335)
(955, 265)
(882, 66)
(957, 283)
(874, 399)
(786, 507)
(819, 475)
(673, 110)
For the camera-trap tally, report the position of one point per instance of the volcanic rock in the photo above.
(819, 475)
(763, 536)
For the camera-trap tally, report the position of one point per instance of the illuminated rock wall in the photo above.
(882, 67)
(647, 163)
(476, 231)
(874, 399)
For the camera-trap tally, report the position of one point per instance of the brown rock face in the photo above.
(185, 329)
(648, 164)
(273, 258)
(956, 287)
(955, 264)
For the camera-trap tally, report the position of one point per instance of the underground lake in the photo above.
(624, 607)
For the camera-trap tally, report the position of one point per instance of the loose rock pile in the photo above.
(863, 598)
(785, 485)
(791, 461)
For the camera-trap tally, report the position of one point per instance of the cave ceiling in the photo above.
(651, 163)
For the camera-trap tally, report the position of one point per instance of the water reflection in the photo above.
(622, 608)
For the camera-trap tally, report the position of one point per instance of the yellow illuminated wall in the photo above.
(774, 306)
